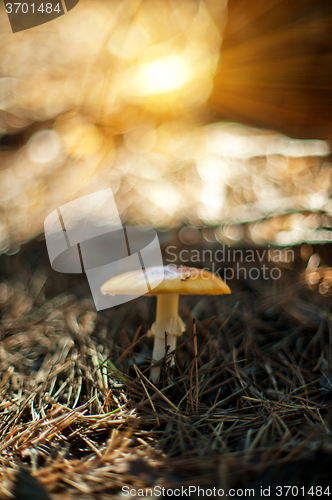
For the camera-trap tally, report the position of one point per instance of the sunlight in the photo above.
(162, 75)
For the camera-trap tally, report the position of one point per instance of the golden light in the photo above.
(135, 118)
(161, 76)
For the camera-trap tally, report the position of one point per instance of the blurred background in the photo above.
(208, 113)
(211, 121)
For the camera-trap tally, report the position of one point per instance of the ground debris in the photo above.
(79, 415)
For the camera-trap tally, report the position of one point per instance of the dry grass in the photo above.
(248, 403)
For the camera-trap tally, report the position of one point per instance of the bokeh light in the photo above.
(161, 76)
(116, 95)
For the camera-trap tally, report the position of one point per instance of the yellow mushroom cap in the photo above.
(167, 279)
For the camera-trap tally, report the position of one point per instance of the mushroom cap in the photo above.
(166, 279)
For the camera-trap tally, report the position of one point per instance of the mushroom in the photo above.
(171, 282)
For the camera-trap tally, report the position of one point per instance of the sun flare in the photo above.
(162, 75)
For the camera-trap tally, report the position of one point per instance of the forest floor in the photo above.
(247, 406)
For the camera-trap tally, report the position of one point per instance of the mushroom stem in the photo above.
(167, 321)
(167, 306)
(159, 353)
